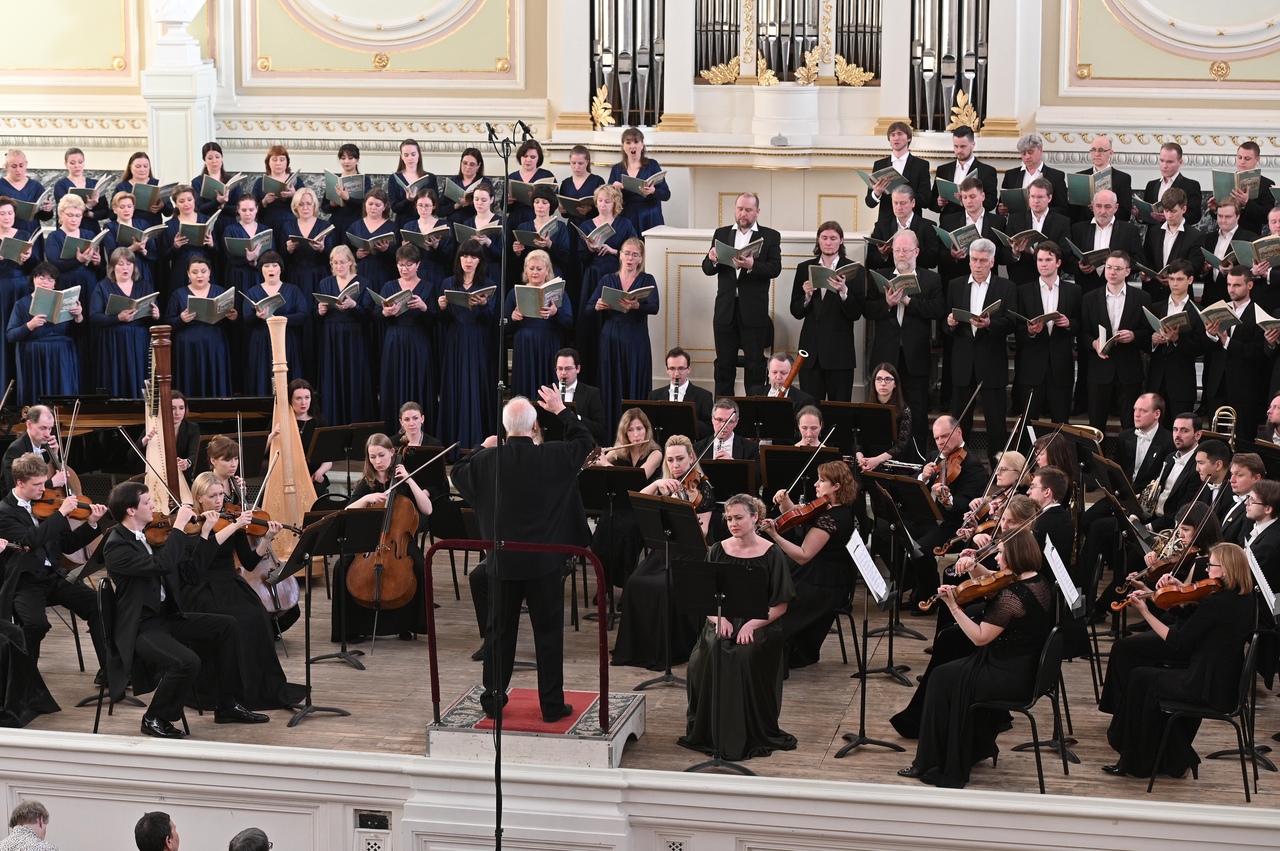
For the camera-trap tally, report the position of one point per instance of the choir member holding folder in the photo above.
(76, 182)
(71, 248)
(48, 363)
(455, 204)
(16, 185)
(274, 191)
(152, 205)
(15, 265)
(406, 186)
(121, 312)
(624, 301)
(492, 241)
(468, 316)
(406, 308)
(179, 245)
(643, 208)
(530, 157)
(201, 353)
(537, 336)
(343, 342)
(343, 206)
(272, 297)
(599, 257)
(216, 190)
(436, 245)
(373, 238)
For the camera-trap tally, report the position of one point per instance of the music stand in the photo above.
(1107, 475)
(781, 465)
(766, 418)
(858, 424)
(729, 477)
(1270, 454)
(605, 491)
(670, 525)
(903, 500)
(899, 540)
(667, 418)
(726, 591)
(431, 478)
(330, 443)
(351, 531)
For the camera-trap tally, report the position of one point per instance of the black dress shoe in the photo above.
(1114, 770)
(478, 656)
(487, 705)
(909, 771)
(239, 715)
(100, 678)
(161, 729)
(556, 714)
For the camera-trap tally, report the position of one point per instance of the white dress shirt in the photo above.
(1175, 472)
(1102, 235)
(962, 170)
(1115, 307)
(1028, 176)
(1144, 446)
(978, 294)
(1170, 237)
(1049, 298)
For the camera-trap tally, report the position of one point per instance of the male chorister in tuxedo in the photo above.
(903, 327)
(913, 169)
(1229, 230)
(779, 368)
(740, 318)
(979, 350)
(1045, 364)
(1213, 465)
(586, 400)
(728, 446)
(1253, 211)
(1031, 149)
(1100, 153)
(1247, 469)
(963, 167)
(1021, 257)
(1114, 313)
(905, 217)
(1174, 240)
(681, 389)
(1266, 279)
(1171, 177)
(827, 318)
(972, 211)
(1271, 433)
(1237, 365)
(38, 438)
(1103, 231)
(1176, 352)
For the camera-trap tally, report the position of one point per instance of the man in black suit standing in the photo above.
(1247, 469)
(1175, 354)
(539, 503)
(905, 217)
(1102, 231)
(681, 389)
(741, 316)
(779, 368)
(963, 167)
(1100, 153)
(1237, 364)
(1173, 240)
(913, 169)
(1021, 255)
(903, 327)
(39, 438)
(1253, 211)
(1031, 148)
(1171, 177)
(1115, 375)
(972, 211)
(151, 626)
(585, 398)
(1045, 362)
(1229, 229)
(979, 349)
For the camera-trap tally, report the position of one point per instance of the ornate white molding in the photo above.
(1212, 31)
(356, 24)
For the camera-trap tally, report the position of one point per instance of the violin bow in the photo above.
(240, 460)
(1182, 557)
(420, 468)
(1008, 443)
(732, 419)
(1026, 468)
(968, 406)
(262, 490)
(812, 457)
(127, 439)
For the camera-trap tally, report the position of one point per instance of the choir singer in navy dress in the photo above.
(343, 334)
(408, 358)
(643, 209)
(276, 211)
(17, 185)
(294, 310)
(201, 354)
(145, 251)
(47, 357)
(96, 212)
(536, 338)
(81, 269)
(13, 279)
(137, 172)
(121, 342)
(626, 368)
(598, 258)
(467, 385)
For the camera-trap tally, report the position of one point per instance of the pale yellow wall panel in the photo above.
(96, 28)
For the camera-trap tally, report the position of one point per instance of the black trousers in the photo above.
(994, 406)
(544, 596)
(729, 339)
(176, 644)
(34, 594)
(1054, 395)
(835, 385)
(915, 390)
(1100, 403)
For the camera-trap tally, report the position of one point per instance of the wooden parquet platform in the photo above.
(390, 705)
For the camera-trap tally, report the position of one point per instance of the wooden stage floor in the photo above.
(390, 705)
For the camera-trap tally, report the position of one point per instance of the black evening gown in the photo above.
(409, 618)
(1003, 669)
(212, 584)
(749, 696)
(822, 585)
(617, 539)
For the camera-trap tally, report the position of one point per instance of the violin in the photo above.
(1173, 595)
(161, 526)
(1161, 567)
(802, 514)
(976, 589)
(48, 504)
(979, 521)
(946, 473)
(385, 578)
(690, 485)
(257, 526)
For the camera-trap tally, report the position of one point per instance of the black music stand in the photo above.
(781, 465)
(729, 477)
(766, 418)
(860, 424)
(352, 531)
(726, 591)
(667, 418)
(432, 478)
(1269, 452)
(1107, 475)
(903, 500)
(605, 491)
(670, 525)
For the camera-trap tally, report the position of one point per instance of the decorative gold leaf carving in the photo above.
(601, 109)
(381, 61)
(264, 63)
(764, 74)
(720, 75)
(828, 10)
(963, 114)
(851, 74)
(808, 75)
(1219, 70)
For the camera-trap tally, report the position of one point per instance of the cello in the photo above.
(291, 494)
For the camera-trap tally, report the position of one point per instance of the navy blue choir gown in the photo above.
(626, 363)
(15, 282)
(642, 211)
(143, 218)
(72, 273)
(177, 256)
(209, 206)
(408, 367)
(259, 358)
(93, 217)
(467, 376)
(120, 350)
(240, 274)
(345, 388)
(586, 190)
(404, 209)
(48, 359)
(306, 268)
(561, 251)
(30, 193)
(534, 346)
(594, 267)
(277, 214)
(436, 263)
(146, 262)
(519, 214)
(492, 251)
(378, 267)
(201, 354)
(455, 211)
(343, 213)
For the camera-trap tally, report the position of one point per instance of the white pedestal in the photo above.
(179, 118)
(787, 109)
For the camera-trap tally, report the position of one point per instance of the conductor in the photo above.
(539, 502)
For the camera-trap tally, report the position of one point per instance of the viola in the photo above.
(1174, 595)
(161, 526)
(802, 514)
(976, 589)
(1161, 567)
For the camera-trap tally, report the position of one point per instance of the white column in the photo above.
(179, 91)
(678, 71)
(568, 68)
(1013, 67)
(895, 64)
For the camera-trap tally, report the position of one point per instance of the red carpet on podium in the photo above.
(523, 713)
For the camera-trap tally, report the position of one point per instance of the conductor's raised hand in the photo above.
(549, 399)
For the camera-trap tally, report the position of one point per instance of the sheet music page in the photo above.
(867, 567)
(1069, 590)
(1260, 580)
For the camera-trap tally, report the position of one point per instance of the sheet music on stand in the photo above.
(857, 548)
(1069, 590)
(1260, 580)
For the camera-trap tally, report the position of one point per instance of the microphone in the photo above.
(493, 134)
(524, 128)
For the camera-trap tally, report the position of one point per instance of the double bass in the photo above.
(290, 493)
